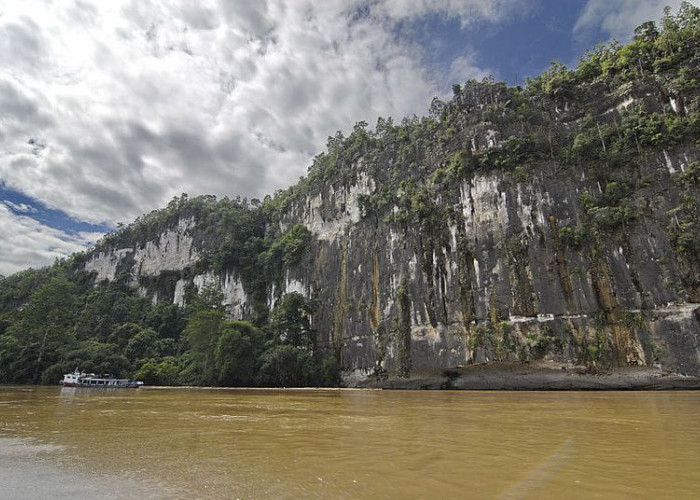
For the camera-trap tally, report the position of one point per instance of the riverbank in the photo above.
(534, 377)
(502, 376)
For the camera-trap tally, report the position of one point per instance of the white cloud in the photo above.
(19, 207)
(464, 67)
(618, 19)
(24, 242)
(469, 12)
(109, 109)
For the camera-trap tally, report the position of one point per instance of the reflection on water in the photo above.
(355, 444)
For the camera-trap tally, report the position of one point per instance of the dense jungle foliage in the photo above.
(602, 119)
(56, 319)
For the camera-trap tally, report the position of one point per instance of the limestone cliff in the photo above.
(499, 279)
(554, 224)
(499, 282)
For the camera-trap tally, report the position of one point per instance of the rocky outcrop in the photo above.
(501, 281)
(172, 251)
(473, 237)
(505, 278)
(169, 267)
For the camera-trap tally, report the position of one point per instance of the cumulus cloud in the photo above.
(19, 207)
(464, 67)
(109, 109)
(619, 19)
(138, 101)
(24, 242)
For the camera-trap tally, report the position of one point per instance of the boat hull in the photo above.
(79, 379)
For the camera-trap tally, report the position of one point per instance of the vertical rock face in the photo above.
(500, 279)
(172, 251)
(501, 282)
(105, 264)
(167, 267)
(234, 296)
(556, 223)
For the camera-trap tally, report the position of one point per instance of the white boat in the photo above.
(82, 379)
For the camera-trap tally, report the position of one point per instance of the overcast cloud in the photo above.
(135, 102)
(108, 109)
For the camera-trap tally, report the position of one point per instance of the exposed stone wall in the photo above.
(496, 282)
(174, 251)
(500, 284)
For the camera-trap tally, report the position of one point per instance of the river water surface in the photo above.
(206, 443)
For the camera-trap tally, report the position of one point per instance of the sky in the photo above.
(109, 109)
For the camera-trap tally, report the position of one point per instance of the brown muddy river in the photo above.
(206, 443)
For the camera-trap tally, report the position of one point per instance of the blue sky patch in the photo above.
(515, 49)
(20, 204)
